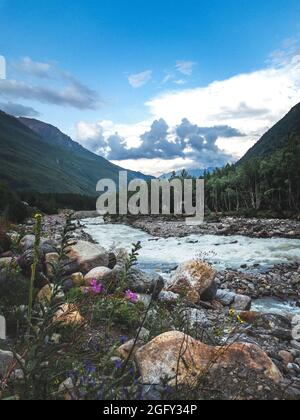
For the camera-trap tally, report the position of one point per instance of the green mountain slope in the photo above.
(277, 137)
(30, 162)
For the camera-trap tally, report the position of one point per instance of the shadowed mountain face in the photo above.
(277, 137)
(35, 156)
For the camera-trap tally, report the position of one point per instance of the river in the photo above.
(223, 252)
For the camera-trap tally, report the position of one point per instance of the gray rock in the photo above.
(295, 344)
(145, 282)
(242, 303)
(198, 318)
(168, 297)
(88, 256)
(225, 297)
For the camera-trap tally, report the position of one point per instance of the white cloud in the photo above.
(250, 103)
(185, 67)
(140, 79)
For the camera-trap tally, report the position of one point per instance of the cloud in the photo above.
(187, 142)
(250, 102)
(208, 125)
(65, 89)
(34, 68)
(185, 67)
(140, 79)
(18, 110)
(74, 95)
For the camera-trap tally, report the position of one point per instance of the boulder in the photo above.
(88, 256)
(45, 294)
(101, 274)
(145, 282)
(180, 359)
(194, 280)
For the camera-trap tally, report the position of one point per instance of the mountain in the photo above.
(195, 173)
(277, 137)
(36, 156)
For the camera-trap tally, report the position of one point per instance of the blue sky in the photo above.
(120, 76)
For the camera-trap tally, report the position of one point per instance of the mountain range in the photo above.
(35, 156)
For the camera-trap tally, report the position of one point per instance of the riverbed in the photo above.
(223, 252)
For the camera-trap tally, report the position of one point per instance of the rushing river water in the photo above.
(224, 252)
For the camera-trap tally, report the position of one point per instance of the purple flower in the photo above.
(123, 339)
(96, 288)
(131, 296)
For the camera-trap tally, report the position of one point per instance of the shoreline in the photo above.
(163, 227)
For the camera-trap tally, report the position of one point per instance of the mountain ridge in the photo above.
(28, 162)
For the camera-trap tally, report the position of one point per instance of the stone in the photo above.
(197, 318)
(145, 282)
(88, 256)
(192, 279)
(66, 386)
(168, 297)
(286, 357)
(51, 260)
(77, 279)
(225, 297)
(124, 351)
(2, 328)
(27, 242)
(45, 294)
(6, 361)
(242, 303)
(101, 274)
(176, 354)
(68, 314)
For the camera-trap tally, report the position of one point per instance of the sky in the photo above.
(155, 85)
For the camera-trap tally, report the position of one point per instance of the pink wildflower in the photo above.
(131, 296)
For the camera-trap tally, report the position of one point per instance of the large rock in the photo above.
(101, 274)
(47, 246)
(195, 281)
(88, 256)
(145, 282)
(175, 354)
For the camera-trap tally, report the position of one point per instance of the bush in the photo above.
(11, 206)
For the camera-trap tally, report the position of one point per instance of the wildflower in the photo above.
(123, 339)
(239, 319)
(95, 288)
(131, 296)
(231, 313)
(118, 364)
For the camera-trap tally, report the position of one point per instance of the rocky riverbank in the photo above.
(255, 228)
(202, 313)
